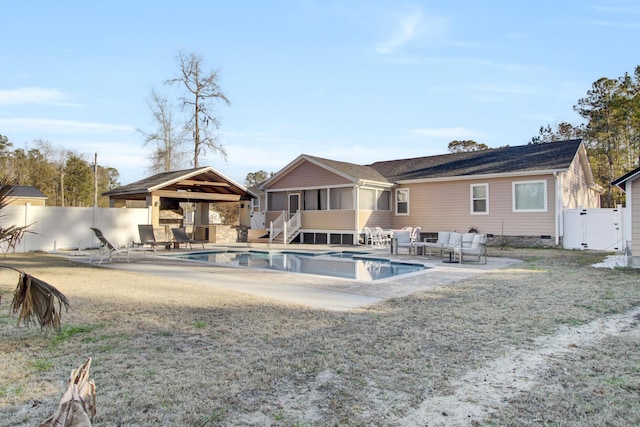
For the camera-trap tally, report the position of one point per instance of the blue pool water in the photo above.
(348, 265)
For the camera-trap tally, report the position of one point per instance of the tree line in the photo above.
(611, 132)
(65, 177)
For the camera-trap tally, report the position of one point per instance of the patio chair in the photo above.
(402, 239)
(148, 237)
(443, 240)
(108, 249)
(477, 248)
(381, 238)
(368, 236)
(181, 236)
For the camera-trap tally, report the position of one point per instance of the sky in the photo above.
(355, 81)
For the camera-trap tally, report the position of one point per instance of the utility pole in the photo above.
(62, 186)
(95, 180)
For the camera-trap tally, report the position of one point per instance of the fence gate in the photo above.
(600, 229)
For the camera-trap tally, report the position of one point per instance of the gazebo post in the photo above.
(153, 201)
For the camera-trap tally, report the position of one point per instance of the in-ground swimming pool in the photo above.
(348, 265)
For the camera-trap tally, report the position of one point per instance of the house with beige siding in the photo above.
(514, 194)
(26, 195)
(630, 184)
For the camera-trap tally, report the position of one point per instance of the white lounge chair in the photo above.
(381, 238)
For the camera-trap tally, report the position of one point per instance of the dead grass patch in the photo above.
(171, 353)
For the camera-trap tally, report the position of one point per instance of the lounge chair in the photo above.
(181, 237)
(148, 237)
(108, 249)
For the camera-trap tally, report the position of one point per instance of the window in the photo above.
(277, 201)
(479, 199)
(367, 198)
(402, 202)
(530, 196)
(255, 205)
(371, 199)
(314, 200)
(341, 198)
(384, 200)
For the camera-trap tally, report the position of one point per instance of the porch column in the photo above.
(201, 222)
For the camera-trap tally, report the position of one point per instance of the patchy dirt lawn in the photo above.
(551, 341)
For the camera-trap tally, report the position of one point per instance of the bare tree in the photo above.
(166, 141)
(200, 91)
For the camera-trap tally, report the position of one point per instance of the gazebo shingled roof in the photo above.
(203, 184)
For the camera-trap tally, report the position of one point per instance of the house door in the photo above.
(294, 204)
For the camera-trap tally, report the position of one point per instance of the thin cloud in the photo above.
(406, 31)
(32, 95)
(613, 24)
(54, 126)
(411, 27)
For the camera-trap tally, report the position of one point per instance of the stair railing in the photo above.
(293, 225)
(276, 227)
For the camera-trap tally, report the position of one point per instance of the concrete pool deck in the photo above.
(313, 291)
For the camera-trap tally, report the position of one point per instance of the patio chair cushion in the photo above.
(455, 240)
(443, 237)
(467, 239)
(403, 238)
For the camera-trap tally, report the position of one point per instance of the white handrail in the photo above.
(276, 227)
(294, 223)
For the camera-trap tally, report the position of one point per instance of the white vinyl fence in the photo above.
(56, 228)
(600, 229)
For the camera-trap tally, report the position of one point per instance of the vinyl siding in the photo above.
(308, 175)
(321, 220)
(575, 190)
(374, 219)
(442, 206)
(329, 220)
(635, 217)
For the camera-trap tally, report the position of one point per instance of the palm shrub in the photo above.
(34, 300)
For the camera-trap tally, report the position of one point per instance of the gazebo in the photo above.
(201, 186)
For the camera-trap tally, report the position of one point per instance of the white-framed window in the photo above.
(402, 201)
(255, 204)
(479, 199)
(341, 198)
(530, 196)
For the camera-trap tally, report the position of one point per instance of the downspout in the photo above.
(356, 209)
(558, 207)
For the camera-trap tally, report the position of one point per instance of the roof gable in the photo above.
(196, 180)
(630, 176)
(350, 172)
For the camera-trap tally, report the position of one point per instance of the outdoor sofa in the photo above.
(458, 247)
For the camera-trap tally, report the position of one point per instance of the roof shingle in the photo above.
(522, 158)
